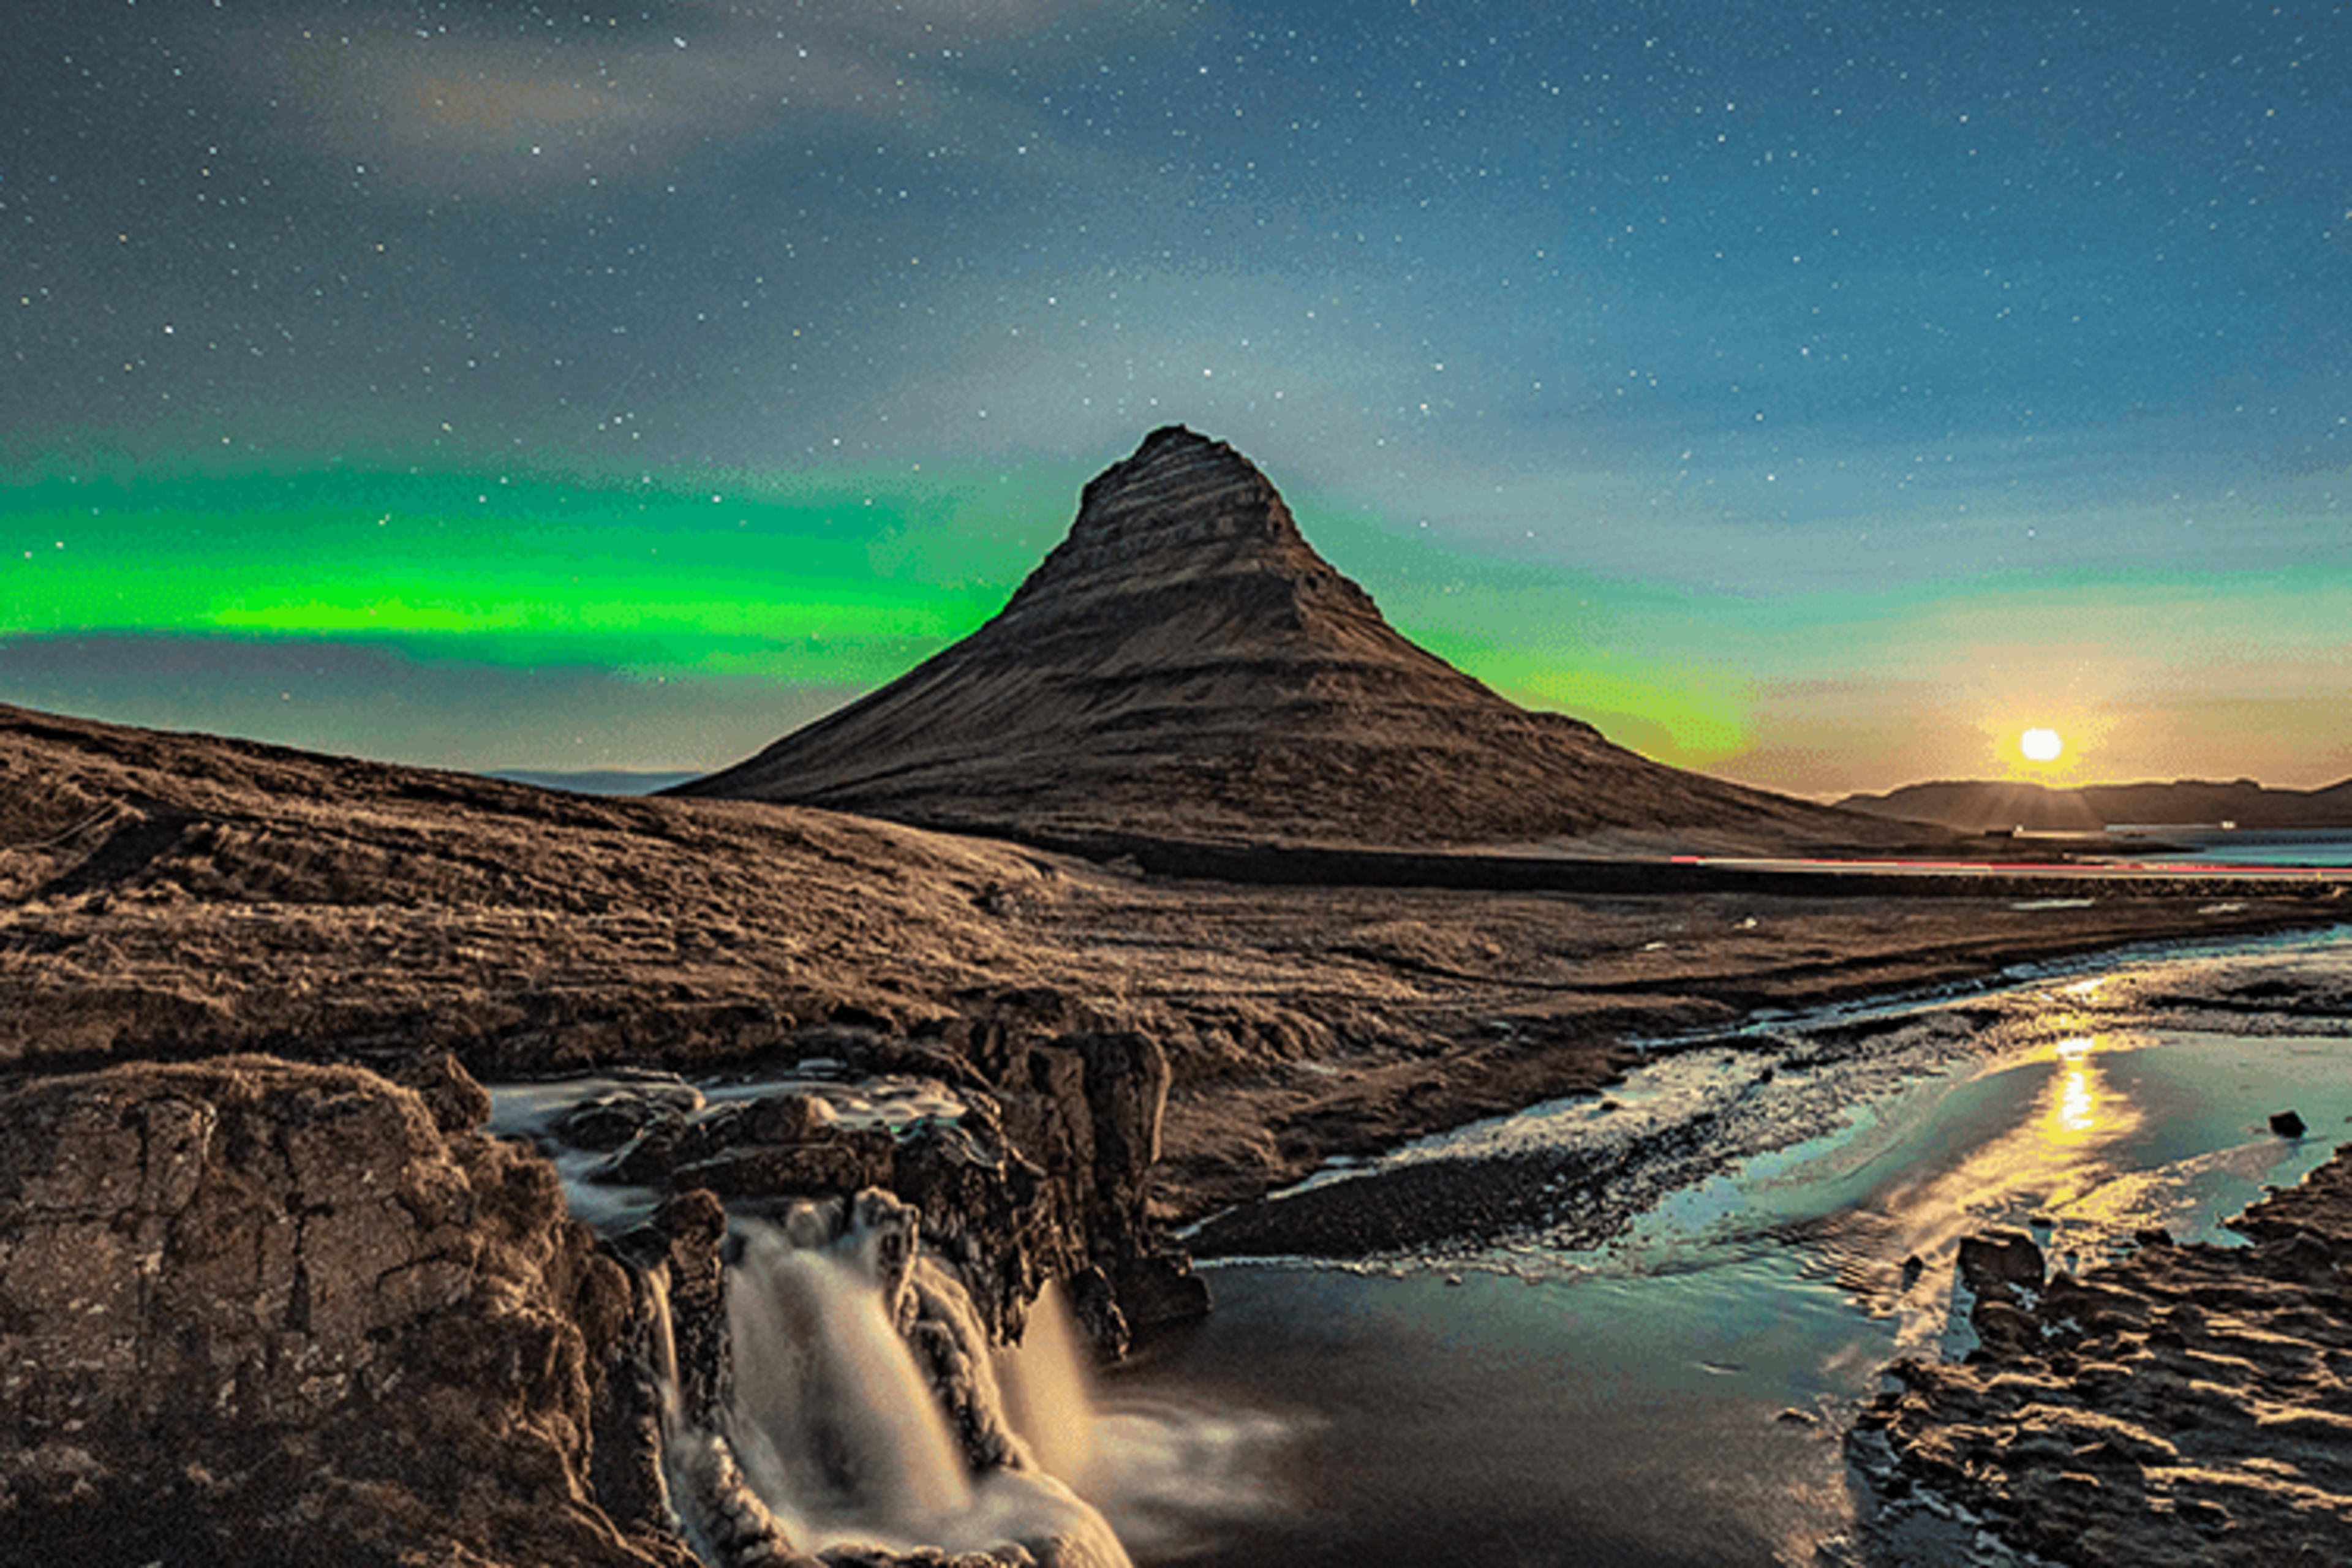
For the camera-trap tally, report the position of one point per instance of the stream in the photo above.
(1654, 1361)
(1672, 1385)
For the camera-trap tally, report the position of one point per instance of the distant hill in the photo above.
(1184, 665)
(1988, 805)
(596, 781)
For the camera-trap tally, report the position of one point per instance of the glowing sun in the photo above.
(2040, 745)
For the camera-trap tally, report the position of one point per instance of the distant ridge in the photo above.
(1983, 806)
(596, 781)
(1184, 665)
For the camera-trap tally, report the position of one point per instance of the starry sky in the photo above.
(1817, 394)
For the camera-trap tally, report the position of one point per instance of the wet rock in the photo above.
(1160, 1291)
(2186, 1405)
(253, 1312)
(687, 1241)
(2287, 1124)
(2303, 1256)
(1126, 1082)
(839, 1160)
(607, 1122)
(789, 1117)
(1998, 1262)
(648, 1157)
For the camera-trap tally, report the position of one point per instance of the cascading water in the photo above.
(831, 1421)
(843, 1436)
(835, 1386)
(1045, 1393)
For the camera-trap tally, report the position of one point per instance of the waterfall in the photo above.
(1045, 1393)
(834, 1385)
(865, 1408)
(832, 1418)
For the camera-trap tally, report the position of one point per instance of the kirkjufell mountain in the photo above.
(1184, 665)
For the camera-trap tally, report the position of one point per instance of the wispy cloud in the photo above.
(490, 109)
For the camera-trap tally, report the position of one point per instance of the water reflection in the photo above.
(2075, 1099)
(2017, 1157)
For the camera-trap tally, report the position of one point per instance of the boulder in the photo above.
(257, 1312)
(1997, 1263)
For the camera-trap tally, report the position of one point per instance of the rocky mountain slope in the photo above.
(1185, 665)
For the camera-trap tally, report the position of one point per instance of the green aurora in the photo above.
(671, 620)
(838, 582)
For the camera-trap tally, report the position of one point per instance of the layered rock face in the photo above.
(255, 1312)
(1184, 665)
(1039, 1174)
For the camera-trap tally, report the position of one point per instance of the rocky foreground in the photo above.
(269, 1293)
(254, 1311)
(2186, 1405)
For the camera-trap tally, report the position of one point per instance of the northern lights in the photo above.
(1819, 399)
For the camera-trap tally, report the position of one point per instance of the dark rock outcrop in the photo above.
(1184, 665)
(255, 1313)
(1042, 1175)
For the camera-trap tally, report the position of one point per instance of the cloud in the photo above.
(517, 113)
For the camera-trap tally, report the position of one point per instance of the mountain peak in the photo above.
(1184, 665)
(1186, 537)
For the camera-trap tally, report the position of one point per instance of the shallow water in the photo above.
(1678, 1394)
(1603, 1421)
(2326, 848)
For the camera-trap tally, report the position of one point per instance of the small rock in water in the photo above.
(1997, 1261)
(2286, 1124)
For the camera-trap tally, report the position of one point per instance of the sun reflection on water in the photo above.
(2074, 1097)
(2052, 1158)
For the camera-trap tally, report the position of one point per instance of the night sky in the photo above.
(1818, 394)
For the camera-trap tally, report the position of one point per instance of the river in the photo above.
(1677, 1391)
